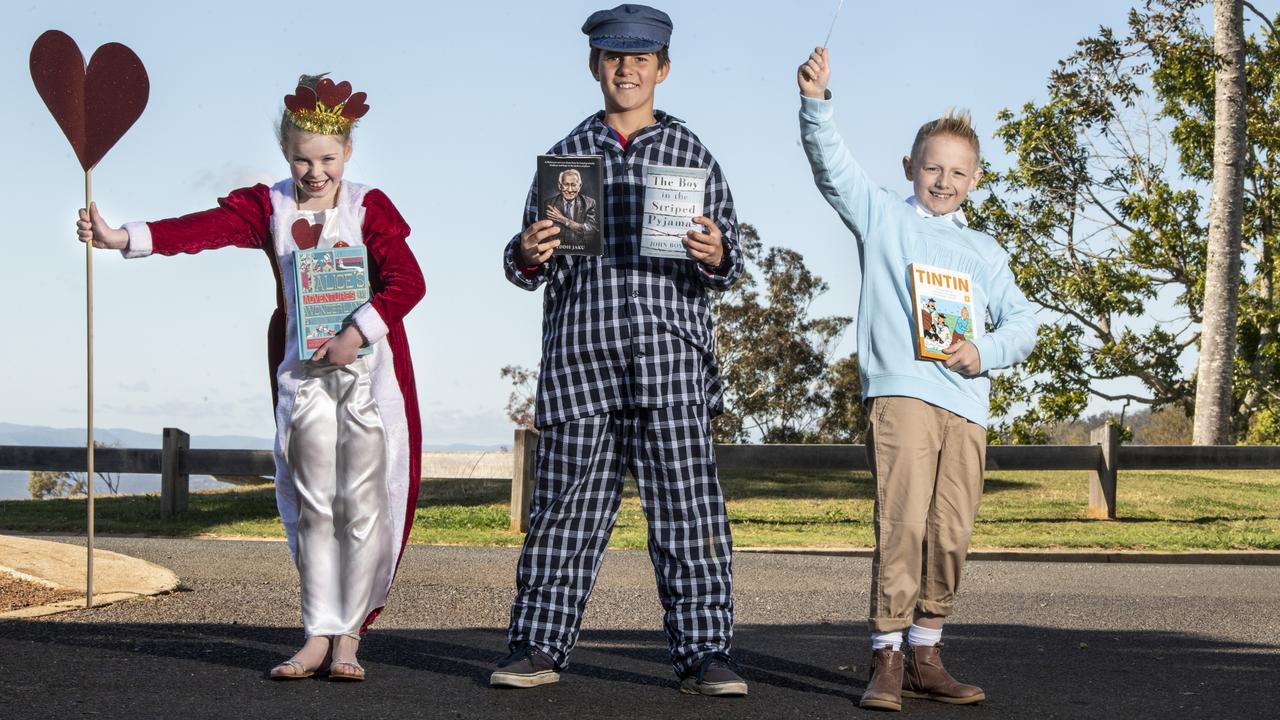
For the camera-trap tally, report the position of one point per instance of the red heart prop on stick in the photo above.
(96, 105)
(306, 235)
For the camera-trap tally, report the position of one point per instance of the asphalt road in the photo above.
(1046, 640)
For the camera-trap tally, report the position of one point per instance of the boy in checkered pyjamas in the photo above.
(629, 382)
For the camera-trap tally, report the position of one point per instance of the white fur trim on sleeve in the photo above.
(369, 323)
(139, 240)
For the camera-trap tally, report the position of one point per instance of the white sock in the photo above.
(919, 636)
(888, 639)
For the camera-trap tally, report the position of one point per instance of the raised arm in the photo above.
(838, 176)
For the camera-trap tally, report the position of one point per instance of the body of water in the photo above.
(13, 484)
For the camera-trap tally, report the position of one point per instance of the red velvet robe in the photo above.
(258, 218)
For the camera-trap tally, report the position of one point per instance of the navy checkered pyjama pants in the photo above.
(580, 467)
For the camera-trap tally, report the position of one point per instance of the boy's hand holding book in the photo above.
(706, 247)
(964, 357)
(92, 228)
(814, 75)
(537, 243)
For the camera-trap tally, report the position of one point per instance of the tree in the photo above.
(44, 484)
(520, 406)
(1169, 425)
(54, 483)
(1166, 426)
(845, 419)
(774, 357)
(1102, 213)
(1222, 276)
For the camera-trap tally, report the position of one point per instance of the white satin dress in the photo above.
(336, 448)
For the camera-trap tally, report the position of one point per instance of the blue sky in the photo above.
(463, 97)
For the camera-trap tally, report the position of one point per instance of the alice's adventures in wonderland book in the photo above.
(571, 194)
(330, 283)
(944, 309)
(673, 196)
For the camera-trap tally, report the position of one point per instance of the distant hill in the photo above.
(1166, 426)
(11, 434)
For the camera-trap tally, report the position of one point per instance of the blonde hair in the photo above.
(286, 119)
(956, 122)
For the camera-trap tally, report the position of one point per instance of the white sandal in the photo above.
(300, 671)
(346, 677)
(357, 676)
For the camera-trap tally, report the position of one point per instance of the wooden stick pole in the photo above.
(88, 297)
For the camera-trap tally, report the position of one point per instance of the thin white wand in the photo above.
(830, 30)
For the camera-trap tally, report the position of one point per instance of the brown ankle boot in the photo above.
(884, 687)
(926, 678)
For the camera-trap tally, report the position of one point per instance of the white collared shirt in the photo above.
(956, 216)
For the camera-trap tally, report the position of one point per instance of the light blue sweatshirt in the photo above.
(891, 234)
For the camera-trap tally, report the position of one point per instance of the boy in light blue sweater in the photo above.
(926, 438)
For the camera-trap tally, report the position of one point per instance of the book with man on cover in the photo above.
(330, 283)
(944, 309)
(571, 194)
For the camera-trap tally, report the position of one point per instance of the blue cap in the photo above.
(629, 28)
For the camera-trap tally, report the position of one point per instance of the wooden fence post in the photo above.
(1102, 480)
(174, 481)
(525, 450)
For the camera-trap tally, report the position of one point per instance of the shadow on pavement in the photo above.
(54, 668)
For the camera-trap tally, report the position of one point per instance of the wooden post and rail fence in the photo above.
(1104, 457)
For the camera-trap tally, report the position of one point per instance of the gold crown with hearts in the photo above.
(328, 109)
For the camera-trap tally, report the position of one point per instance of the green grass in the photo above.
(1218, 510)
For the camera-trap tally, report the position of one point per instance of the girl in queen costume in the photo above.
(348, 440)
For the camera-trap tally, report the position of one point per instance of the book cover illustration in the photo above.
(571, 194)
(944, 309)
(330, 283)
(673, 196)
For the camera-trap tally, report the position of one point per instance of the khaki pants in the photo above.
(927, 464)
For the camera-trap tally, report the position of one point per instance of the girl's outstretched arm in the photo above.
(242, 219)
